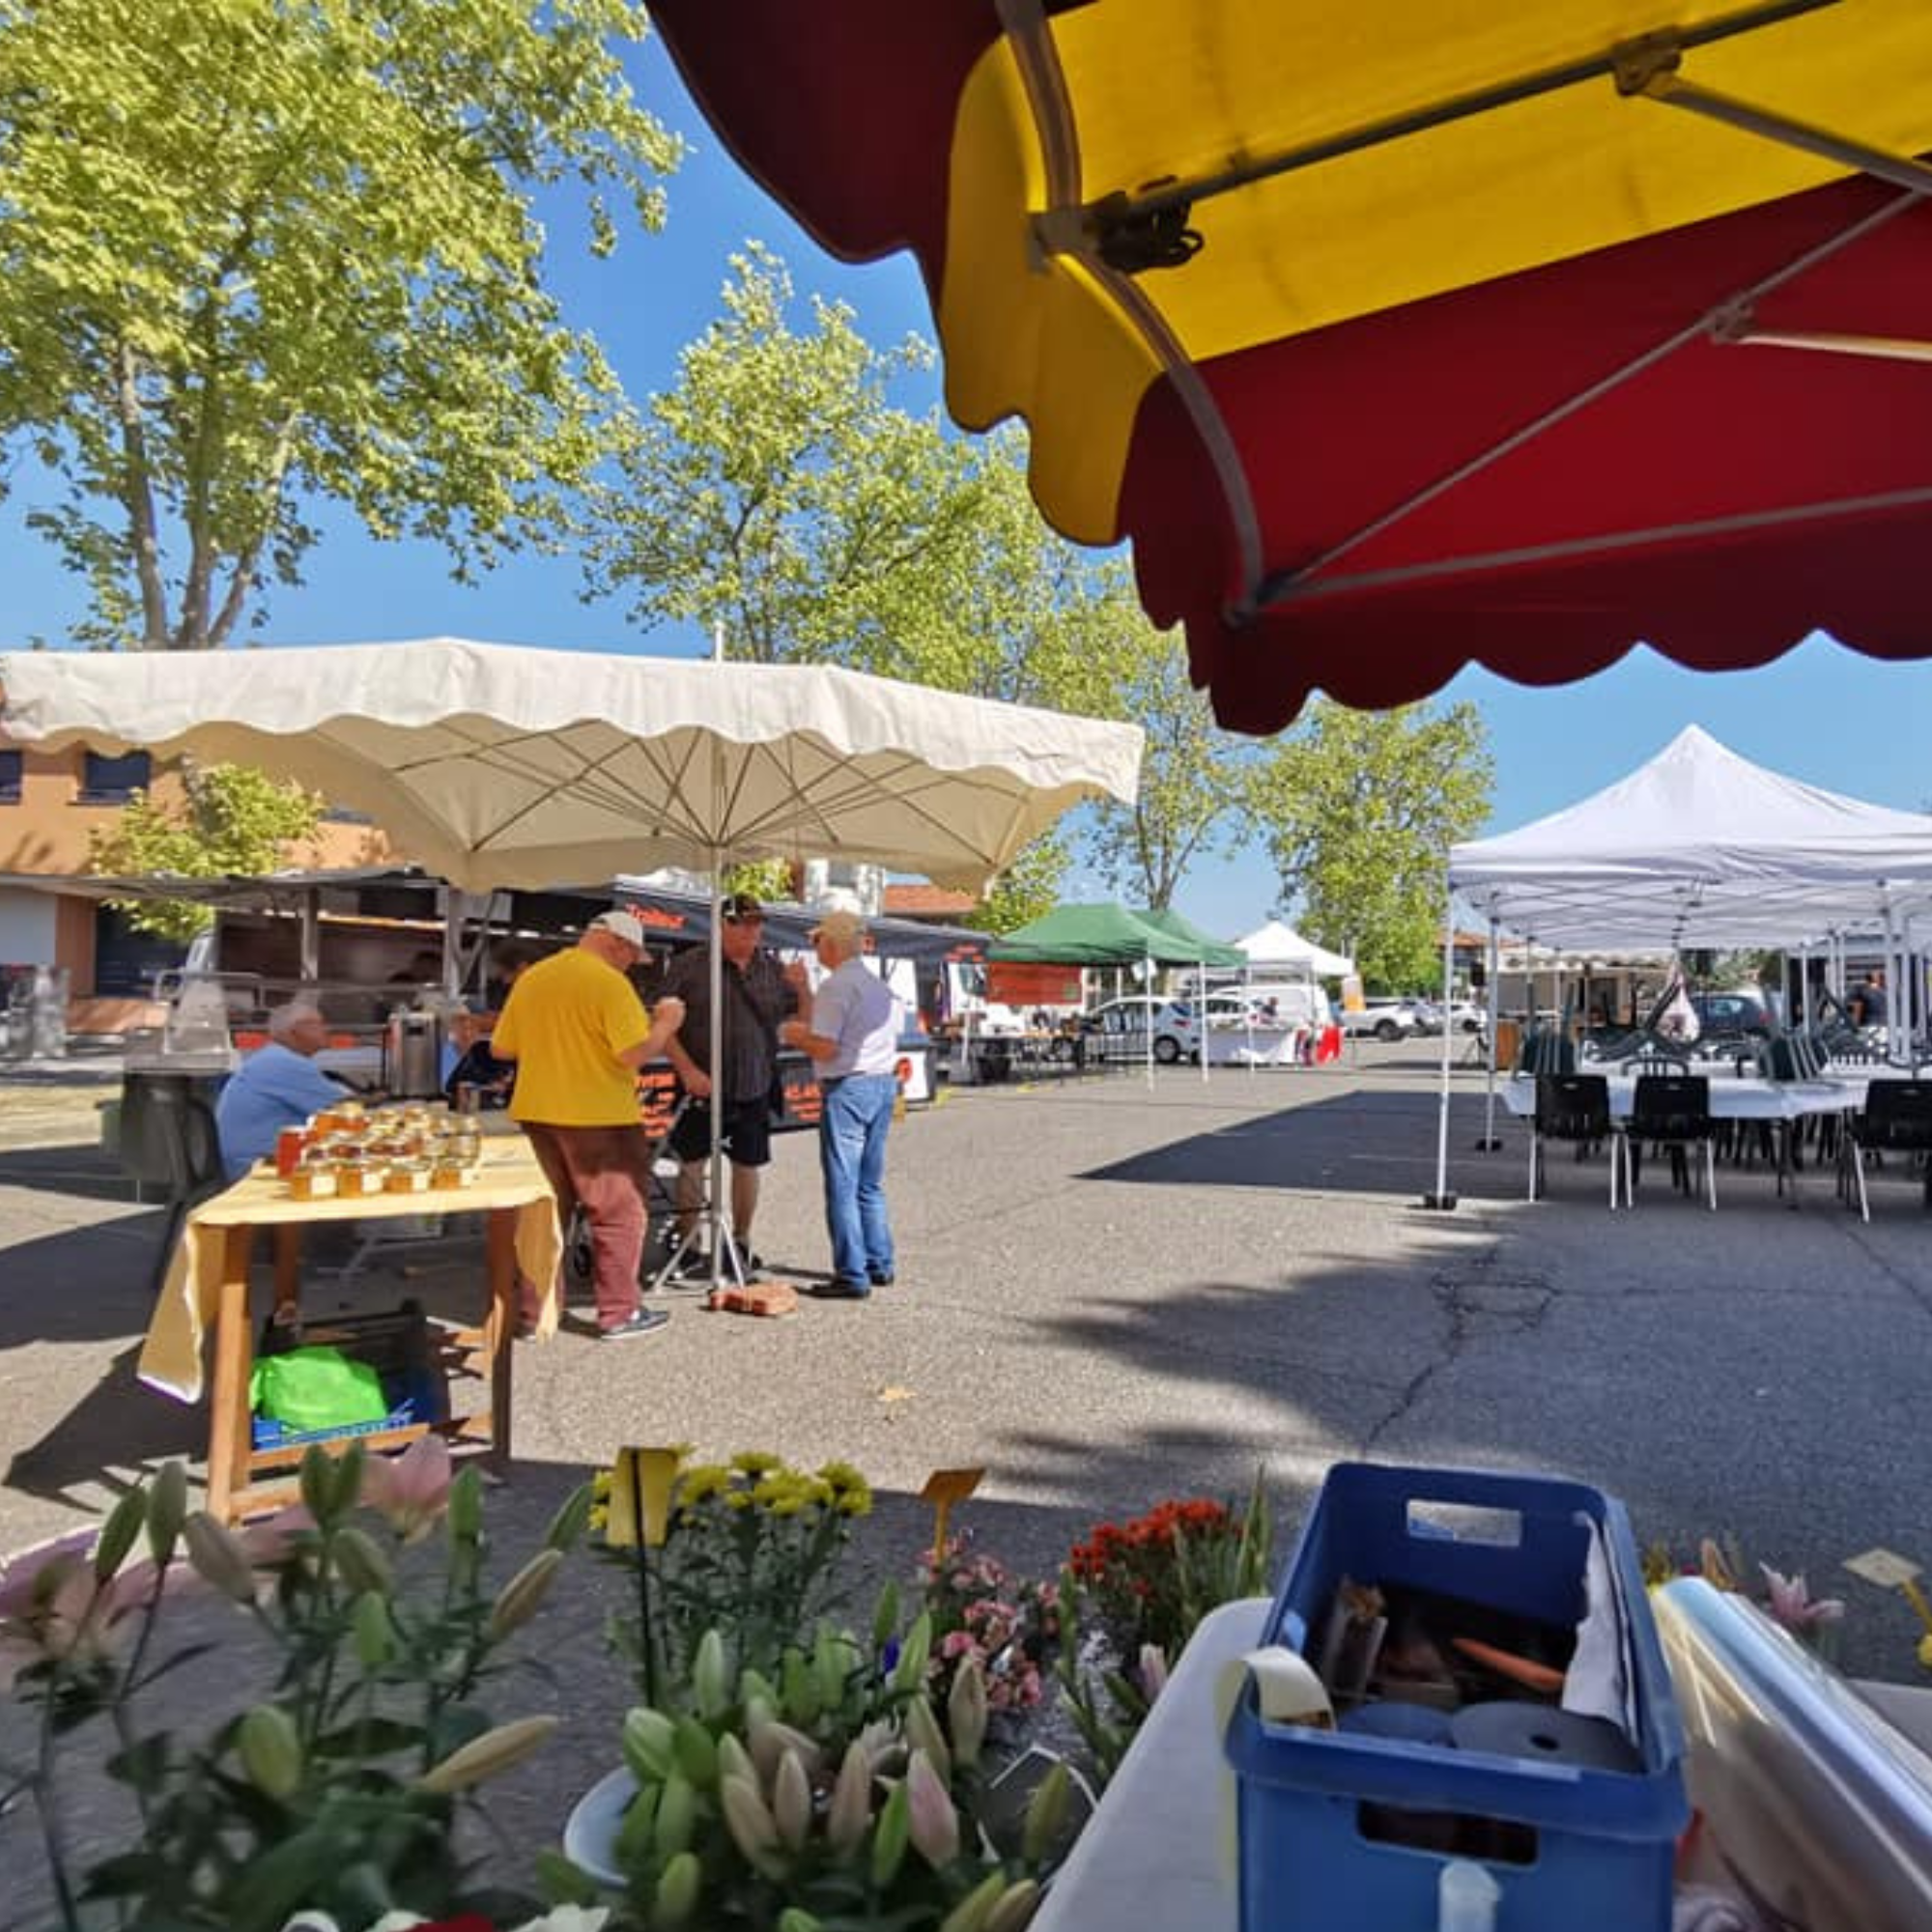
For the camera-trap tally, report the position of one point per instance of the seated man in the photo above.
(278, 1086)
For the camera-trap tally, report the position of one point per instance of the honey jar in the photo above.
(313, 1182)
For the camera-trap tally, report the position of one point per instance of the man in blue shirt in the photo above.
(279, 1085)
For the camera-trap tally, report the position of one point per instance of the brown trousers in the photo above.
(606, 1171)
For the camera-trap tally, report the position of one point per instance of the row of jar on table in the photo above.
(353, 1150)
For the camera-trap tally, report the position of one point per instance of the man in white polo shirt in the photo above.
(853, 1036)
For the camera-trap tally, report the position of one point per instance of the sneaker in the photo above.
(643, 1321)
(753, 1265)
(884, 1280)
(692, 1266)
(841, 1291)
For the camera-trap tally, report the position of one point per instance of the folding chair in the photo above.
(190, 1157)
(1672, 1110)
(1898, 1119)
(1571, 1107)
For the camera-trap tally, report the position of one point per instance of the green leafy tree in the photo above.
(1359, 810)
(1195, 778)
(775, 485)
(231, 818)
(778, 491)
(257, 254)
(1025, 891)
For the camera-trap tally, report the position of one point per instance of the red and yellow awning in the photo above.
(1405, 335)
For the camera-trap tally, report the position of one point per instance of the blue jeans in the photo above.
(852, 1156)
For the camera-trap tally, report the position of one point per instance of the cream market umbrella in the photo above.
(500, 765)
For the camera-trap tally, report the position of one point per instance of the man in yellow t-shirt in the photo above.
(578, 1032)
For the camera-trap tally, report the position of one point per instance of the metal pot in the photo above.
(412, 1056)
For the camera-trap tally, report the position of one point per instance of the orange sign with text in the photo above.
(1011, 984)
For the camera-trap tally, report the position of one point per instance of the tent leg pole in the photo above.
(1490, 1141)
(1441, 1200)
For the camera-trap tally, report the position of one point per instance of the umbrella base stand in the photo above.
(1440, 1204)
(1487, 1144)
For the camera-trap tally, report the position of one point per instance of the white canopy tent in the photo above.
(1699, 847)
(1277, 945)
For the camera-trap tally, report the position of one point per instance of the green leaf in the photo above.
(142, 1764)
(370, 1738)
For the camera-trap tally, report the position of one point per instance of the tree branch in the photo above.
(138, 495)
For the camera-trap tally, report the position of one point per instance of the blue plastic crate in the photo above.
(267, 1432)
(1341, 1831)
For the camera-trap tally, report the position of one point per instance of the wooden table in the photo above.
(207, 1287)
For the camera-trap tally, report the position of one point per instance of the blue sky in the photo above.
(1822, 713)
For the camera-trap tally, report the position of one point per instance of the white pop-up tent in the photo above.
(1277, 945)
(1699, 847)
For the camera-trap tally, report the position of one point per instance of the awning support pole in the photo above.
(1443, 1200)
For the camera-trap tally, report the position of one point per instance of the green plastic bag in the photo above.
(316, 1388)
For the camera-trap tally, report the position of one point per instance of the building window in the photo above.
(105, 780)
(10, 776)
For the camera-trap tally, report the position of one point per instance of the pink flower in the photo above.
(1792, 1604)
(28, 1582)
(269, 1544)
(934, 1826)
(957, 1643)
(410, 1490)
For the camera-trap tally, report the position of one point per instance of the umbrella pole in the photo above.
(722, 1242)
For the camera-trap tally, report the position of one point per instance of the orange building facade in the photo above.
(51, 805)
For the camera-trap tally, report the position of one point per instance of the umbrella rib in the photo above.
(1720, 324)
(822, 799)
(1619, 540)
(503, 756)
(1124, 211)
(1038, 62)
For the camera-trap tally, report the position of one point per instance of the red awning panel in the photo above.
(1361, 484)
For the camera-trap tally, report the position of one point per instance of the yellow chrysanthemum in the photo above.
(756, 1462)
(854, 1502)
(738, 1499)
(600, 1486)
(841, 1476)
(703, 1480)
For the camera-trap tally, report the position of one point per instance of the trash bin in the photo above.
(1509, 1045)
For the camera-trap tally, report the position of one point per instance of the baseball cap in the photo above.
(845, 928)
(624, 926)
(741, 906)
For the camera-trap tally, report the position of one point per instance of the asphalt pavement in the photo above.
(1109, 1291)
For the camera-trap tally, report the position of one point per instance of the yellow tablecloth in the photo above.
(509, 1177)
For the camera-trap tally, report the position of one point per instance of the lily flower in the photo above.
(934, 1825)
(1794, 1606)
(411, 1490)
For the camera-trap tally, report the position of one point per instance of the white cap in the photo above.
(624, 926)
(844, 928)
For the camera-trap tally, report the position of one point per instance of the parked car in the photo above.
(1117, 1030)
(1741, 1014)
(1386, 1016)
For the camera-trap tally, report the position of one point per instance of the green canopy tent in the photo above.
(1109, 935)
(1204, 950)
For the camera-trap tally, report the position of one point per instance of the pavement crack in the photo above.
(1476, 1298)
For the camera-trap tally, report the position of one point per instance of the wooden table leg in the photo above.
(500, 1326)
(228, 1443)
(287, 1266)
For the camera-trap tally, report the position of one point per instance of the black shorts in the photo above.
(746, 1133)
